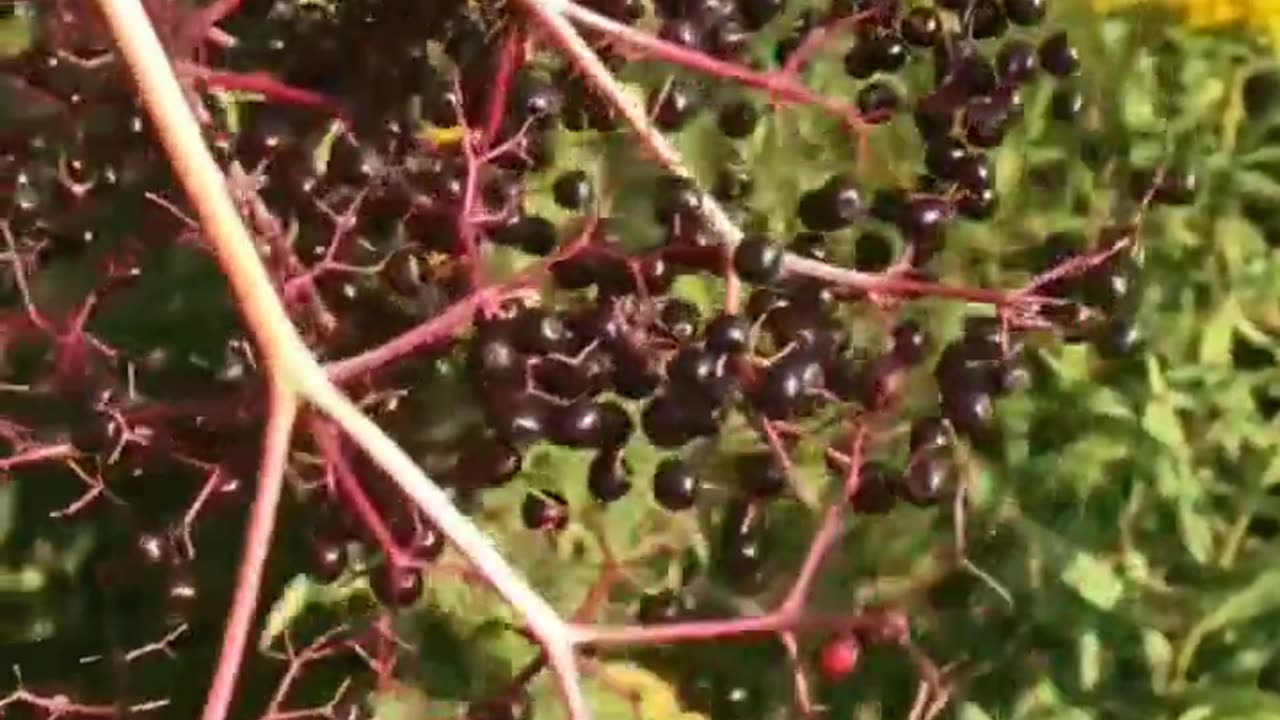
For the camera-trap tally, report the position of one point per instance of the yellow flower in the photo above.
(1258, 16)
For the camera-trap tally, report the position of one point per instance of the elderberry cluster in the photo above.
(396, 159)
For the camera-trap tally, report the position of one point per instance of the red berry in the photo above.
(839, 656)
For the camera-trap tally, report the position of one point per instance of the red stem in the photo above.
(257, 545)
(779, 85)
(511, 58)
(264, 84)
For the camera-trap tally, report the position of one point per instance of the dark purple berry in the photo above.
(675, 485)
(921, 27)
(758, 260)
(1026, 12)
(607, 476)
(875, 489)
(1058, 56)
(573, 191)
(738, 119)
(544, 510)
(395, 586)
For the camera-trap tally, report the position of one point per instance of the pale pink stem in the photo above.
(283, 412)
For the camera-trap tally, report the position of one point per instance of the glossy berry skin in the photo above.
(743, 551)
(663, 606)
(929, 433)
(1066, 104)
(971, 412)
(396, 587)
(929, 480)
(577, 425)
(673, 109)
(987, 20)
(676, 197)
(1026, 12)
(839, 656)
(328, 559)
(537, 332)
(758, 260)
(873, 252)
(573, 191)
(1058, 56)
(875, 492)
(607, 478)
(675, 485)
(923, 226)
(760, 475)
(910, 342)
(921, 27)
(877, 102)
(833, 206)
(1260, 92)
(1118, 338)
(533, 234)
(784, 390)
(728, 335)
(545, 510)
(1016, 62)
(738, 119)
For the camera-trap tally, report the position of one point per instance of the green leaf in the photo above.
(971, 711)
(1215, 340)
(1159, 654)
(1258, 597)
(1090, 660)
(1197, 535)
(1161, 422)
(1094, 581)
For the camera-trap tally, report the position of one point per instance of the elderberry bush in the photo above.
(960, 331)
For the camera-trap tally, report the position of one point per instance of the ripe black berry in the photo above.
(328, 559)
(923, 226)
(675, 485)
(1016, 62)
(537, 332)
(873, 252)
(875, 492)
(758, 260)
(987, 20)
(877, 102)
(1058, 56)
(784, 390)
(1260, 91)
(573, 191)
(970, 411)
(1026, 12)
(607, 476)
(1067, 103)
(930, 479)
(921, 27)
(929, 433)
(395, 586)
(833, 206)
(728, 334)
(533, 234)
(673, 106)
(910, 342)
(743, 550)
(760, 475)
(663, 606)
(544, 510)
(738, 119)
